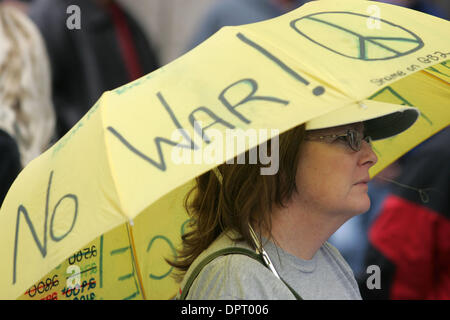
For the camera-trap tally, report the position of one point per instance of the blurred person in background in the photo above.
(427, 6)
(352, 238)
(27, 119)
(22, 5)
(106, 50)
(237, 12)
(9, 163)
(409, 240)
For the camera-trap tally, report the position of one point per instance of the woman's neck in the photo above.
(301, 232)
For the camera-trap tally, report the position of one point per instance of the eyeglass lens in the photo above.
(354, 139)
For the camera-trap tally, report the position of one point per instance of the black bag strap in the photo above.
(226, 251)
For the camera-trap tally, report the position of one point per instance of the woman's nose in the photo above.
(368, 156)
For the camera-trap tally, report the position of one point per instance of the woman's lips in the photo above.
(364, 181)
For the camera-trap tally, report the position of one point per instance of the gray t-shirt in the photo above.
(325, 277)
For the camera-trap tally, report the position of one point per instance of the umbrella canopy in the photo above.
(93, 217)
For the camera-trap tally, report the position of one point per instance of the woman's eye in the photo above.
(342, 139)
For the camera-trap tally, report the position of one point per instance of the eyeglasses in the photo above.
(353, 138)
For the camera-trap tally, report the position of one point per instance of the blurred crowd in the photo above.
(52, 71)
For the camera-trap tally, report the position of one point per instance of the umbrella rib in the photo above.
(134, 258)
(113, 177)
(133, 251)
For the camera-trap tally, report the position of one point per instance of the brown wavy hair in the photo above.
(244, 196)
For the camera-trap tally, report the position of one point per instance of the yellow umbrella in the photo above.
(94, 216)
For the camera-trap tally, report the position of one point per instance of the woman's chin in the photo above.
(361, 205)
(365, 205)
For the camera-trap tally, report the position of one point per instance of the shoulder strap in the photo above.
(226, 251)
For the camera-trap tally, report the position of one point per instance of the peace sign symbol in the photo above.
(348, 34)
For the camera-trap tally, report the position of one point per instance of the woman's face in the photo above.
(331, 177)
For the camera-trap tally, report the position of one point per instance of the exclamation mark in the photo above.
(317, 91)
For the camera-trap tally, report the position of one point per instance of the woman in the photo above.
(27, 118)
(26, 110)
(277, 226)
